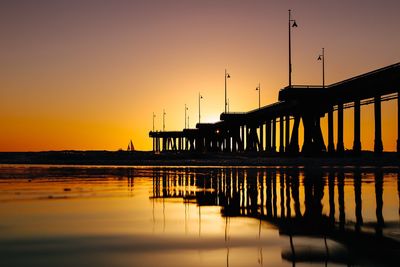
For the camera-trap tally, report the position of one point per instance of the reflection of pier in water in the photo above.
(292, 200)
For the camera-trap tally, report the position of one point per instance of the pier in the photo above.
(256, 130)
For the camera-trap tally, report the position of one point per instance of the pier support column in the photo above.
(261, 146)
(398, 122)
(268, 135)
(287, 132)
(357, 127)
(274, 135)
(340, 144)
(294, 141)
(164, 144)
(281, 145)
(331, 144)
(241, 137)
(378, 146)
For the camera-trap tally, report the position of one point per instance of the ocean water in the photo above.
(198, 216)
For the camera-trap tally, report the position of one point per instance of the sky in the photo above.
(88, 75)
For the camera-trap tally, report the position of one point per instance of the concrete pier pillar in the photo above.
(154, 144)
(261, 147)
(331, 144)
(164, 144)
(357, 127)
(378, 146)
(227, 141)
(242, 147)
(340, 143)
(281, 145)
(268, 135)
(287, 132)
(398, 122)
(294, 141)
(273, 147)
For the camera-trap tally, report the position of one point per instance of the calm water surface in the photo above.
(97, 216)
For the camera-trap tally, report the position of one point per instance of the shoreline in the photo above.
(144, 158)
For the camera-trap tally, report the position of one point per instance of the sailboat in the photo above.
(130, 146)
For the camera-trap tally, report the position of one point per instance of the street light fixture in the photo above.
(227, 76)
(258, 88)
(200, 97)
(294, 24)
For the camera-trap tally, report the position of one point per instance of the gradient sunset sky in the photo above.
(88, 74)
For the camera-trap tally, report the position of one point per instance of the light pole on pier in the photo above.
(163, 120)
(226, 102)
(200, 97)
(154, 115)
(258, 88)
(290, 46)
(322, 57)
(186, 109)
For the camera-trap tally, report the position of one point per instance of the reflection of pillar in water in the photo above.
(295, 193)
(398, 186)
(252, 191)
(308, 195)
(241, 191)
(319, 183)
(379, 201)
(261, 183)
(274, 199)
(342, 215)
(313, 194)
(287, 187)
(282, 192)
(331, 189)
(269, 193)
(358, 199)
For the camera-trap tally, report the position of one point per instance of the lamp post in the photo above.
(200, 97)
(154, 115)
(186, 108)
(331, 145)
(322, 57)
(163, 120)
(258, 88)
(290, 46)
(226, 102)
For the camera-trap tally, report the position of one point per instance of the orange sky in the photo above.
(89, 74)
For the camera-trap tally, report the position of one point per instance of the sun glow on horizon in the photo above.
(91, 76)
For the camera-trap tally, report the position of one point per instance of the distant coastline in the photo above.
(148, 158)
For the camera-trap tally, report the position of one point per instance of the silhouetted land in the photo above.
(143, 158)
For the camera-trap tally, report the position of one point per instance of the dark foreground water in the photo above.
(76, 216)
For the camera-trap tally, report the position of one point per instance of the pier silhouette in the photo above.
(256, 130)
(292, 200)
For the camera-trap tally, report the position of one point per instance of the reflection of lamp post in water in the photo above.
(199, 220)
